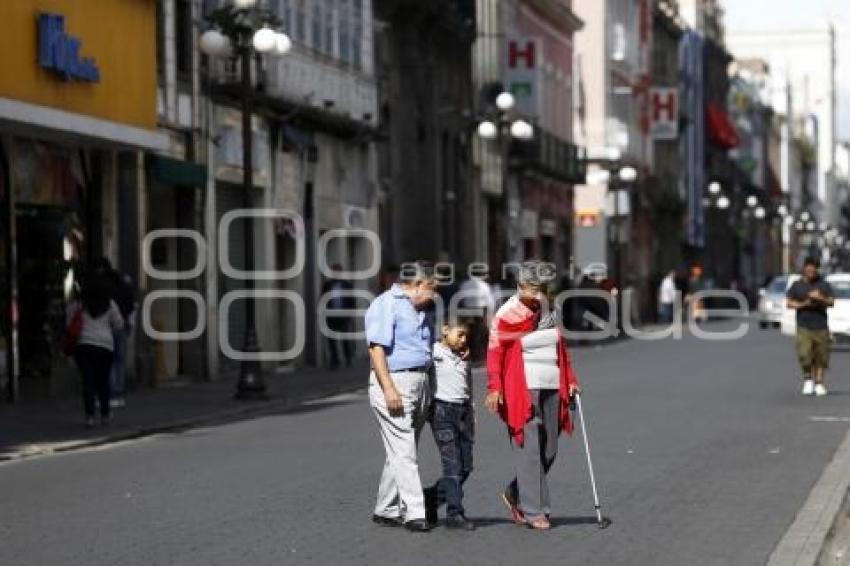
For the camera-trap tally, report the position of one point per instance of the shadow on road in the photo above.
(485, 522)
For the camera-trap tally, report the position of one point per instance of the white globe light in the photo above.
(522, 130)
(214, 43)
(789, 221)
(714, 188)
(628, 174)
(805, 216)
(810, 226)
(505, 101)
(598, 177)
(265, 40)
(244, 4)
(760, 213)
(723, 203)
(487, 130)
(824, 225)
(283, 44)
(752, 200)
(799, 225)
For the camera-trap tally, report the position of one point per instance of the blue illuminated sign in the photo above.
(60, 52)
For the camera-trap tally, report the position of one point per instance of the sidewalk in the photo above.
(45, 427)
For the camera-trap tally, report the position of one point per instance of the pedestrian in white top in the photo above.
(667, 297)
(95, 344)
(478, 303)
(453, 425)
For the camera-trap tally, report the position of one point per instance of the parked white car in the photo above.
(788, 324)
(839, 314)
(772, 302)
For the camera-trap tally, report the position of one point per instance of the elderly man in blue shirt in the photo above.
(400, 333)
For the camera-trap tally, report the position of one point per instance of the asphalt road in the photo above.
(704, 452)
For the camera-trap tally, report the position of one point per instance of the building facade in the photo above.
(804, 63)
(72, 141)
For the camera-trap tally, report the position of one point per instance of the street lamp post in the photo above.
(242, 29)
(625, 175)
(505, 128)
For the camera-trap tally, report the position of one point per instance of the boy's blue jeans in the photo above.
(453, 425)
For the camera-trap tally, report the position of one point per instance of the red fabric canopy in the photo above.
(721, 131)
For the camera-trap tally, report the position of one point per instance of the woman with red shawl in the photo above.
(530, 385)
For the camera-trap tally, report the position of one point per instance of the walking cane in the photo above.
(602, 522)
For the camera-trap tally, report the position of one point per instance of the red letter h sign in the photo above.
(514, 54)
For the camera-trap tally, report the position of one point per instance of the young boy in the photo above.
(453, 424)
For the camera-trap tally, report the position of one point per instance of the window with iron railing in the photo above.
(335, 28)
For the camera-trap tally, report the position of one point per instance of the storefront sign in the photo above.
(587, 218)
(86, 58)
(523, 74)
(60, 52)
(664, 113)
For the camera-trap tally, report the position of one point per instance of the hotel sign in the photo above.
(61, 53)
(523, 74)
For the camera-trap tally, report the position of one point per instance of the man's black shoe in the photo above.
(386, 521)
(418, 526)
(431, 505)
(459, 522)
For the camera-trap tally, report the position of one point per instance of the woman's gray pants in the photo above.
(535, 457)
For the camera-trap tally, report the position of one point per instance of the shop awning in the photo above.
(721, 131)
(176, 171)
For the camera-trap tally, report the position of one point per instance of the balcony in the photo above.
(552, 156)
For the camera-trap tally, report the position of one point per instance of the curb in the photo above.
(255, 409)
(804, 541)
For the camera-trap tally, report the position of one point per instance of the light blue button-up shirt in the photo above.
(406, 334)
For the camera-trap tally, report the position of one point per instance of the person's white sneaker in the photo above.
(820, 390)
(808, 387)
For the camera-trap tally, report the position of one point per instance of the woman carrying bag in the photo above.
(90, 340)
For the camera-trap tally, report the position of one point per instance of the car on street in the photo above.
(839, 314)
(772, 302)
(788, 322)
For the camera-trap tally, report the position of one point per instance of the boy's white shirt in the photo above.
(452, 375)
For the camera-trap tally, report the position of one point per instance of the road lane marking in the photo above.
(816, 419)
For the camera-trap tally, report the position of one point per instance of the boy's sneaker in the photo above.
(459, 522)
(808, 387)
(116, 402)
(820, 390)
